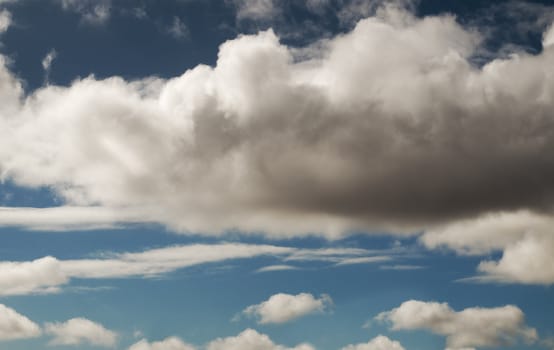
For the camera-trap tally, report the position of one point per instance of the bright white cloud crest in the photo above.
(281, 308)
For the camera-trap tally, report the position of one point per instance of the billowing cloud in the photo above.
(281, 307)
(389, 127)
(77, 331)
(471, 327)
(378, 343)
(171, 343)
(16, 326)
(251, 340)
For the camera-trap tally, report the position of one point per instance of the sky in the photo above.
(276, 174)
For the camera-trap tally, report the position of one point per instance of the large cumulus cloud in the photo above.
(387, 127)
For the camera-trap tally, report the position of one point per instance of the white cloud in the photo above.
(328, 254)
(262, 142)
(401, 267)
(48, 274)
(487, 233)
(548, 37)
(364, 260)
(524, 238)
(251, 340)
(281, 308)
(528, 261)
(471, 327)
(5, 20)
(77, 331)
(38, 276)
(378, 343)
(272, 268)
(171, 343)
(16, 326)
(72, 217)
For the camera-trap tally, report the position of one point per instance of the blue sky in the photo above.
(276, 174)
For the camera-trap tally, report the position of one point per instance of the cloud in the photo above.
(16, 326)
(157, 261)
(487, 233)
(178, 29)
(77, 331)
(282, 308)
(73, 217)
(387, 128)
(5, 20)
(471, 327)
(256, 9)
(48, 59)
(527, 261)
(272, 268)
(251, 340)
(48, 274)
(47, 63)
(171, 343)
(92, 11)
(38, 276)
(548, 37)
(525, 239)
(401, 267)
(364, 260)
(378, 343)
